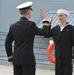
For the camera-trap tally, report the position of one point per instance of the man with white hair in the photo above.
(63, 36)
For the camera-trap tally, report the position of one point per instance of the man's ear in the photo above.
(28, 13)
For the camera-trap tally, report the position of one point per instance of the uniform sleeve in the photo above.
(46, 27)
(73, 53)
(38, 31)
(72, 36)
(72, 39)
(8, 45)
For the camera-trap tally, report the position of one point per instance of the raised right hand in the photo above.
(51, 18)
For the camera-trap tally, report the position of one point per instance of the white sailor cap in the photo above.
(63, 11)
(26, 5)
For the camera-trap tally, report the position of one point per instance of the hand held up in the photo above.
(42, 14)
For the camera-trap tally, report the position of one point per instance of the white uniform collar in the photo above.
(61, 28)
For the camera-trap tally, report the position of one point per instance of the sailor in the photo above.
(22, 33)
(63, 35)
